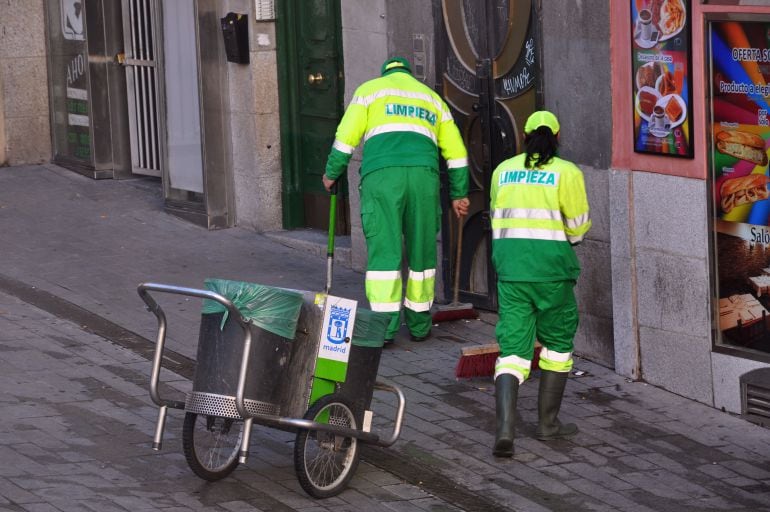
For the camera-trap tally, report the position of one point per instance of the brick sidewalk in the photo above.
(78, 421)
(91, 242)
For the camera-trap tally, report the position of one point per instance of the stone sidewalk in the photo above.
(76, 423)
(74, 383)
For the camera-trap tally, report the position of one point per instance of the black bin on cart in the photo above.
(273, 313)
(294, 391)
(368, 340)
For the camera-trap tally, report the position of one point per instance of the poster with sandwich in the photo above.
(661, 80)
(739, 90)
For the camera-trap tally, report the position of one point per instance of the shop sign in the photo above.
(739, 95)
(72, 20)
(662, 89)
(77, 108)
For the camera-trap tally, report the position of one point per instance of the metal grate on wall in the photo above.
(755, 396)
(143, 83)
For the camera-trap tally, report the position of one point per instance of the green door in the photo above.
(311, 92)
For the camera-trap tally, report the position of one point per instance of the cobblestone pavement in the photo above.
(78, 422)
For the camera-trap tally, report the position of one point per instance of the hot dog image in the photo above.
(743, 145)
(743, 190)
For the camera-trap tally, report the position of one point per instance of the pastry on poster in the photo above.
(665, 84)
(648, 74)
(743, 145)
(646, 99)
(743, 190)
(672, 18)
(673, 109)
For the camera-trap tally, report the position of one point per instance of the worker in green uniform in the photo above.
(404, 124)
(539, 211)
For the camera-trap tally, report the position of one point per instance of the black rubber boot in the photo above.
(548, 405)
(506, 393)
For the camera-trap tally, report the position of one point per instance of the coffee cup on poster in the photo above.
(658, 118)
(645, 24)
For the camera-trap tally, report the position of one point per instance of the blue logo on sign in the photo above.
(338, 324)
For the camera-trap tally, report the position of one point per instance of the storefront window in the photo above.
(70, 99)
(739, 61)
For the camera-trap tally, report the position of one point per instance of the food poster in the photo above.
(661, 67)
(740, 100)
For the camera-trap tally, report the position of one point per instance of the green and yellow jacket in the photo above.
(537, 216)
(403, 123)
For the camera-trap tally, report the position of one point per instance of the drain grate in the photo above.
(755, 396)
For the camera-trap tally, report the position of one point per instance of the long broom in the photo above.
(479, 361)
(455, 310)
(330, 242)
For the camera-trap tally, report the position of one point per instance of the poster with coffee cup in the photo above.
(661, 53)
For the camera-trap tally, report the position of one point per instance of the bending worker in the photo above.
(404, 124)
(539, 212)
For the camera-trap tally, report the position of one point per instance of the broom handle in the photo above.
(456, 294)
(330, 243)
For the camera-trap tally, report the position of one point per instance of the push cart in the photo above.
(266, 369)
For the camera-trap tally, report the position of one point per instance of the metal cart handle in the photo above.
(143, 290)
(399, 413)
(367, 437)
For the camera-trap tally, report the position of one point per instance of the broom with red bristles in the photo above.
(479, 361)
(455, 310)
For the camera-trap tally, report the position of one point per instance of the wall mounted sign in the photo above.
(739, 61)
(661, 77)
(72, 20)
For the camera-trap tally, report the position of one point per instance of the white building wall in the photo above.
(365, 48)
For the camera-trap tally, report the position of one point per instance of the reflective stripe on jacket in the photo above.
(537, 215)
(402, 123)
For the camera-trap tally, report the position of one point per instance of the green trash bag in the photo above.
(369, 329)
(273, 309)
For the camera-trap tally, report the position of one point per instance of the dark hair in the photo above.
(541, 146)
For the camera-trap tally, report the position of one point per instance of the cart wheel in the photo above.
(325, 462)
(211, 445)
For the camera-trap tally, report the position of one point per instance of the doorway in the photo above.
(311, 101)
(488, 59)
(161, 45)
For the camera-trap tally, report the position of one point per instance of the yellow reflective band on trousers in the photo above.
(513, 365)
(420, 290)
(383, 289)
(555, 361)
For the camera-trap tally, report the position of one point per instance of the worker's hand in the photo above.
(460, 206)
(327, 183)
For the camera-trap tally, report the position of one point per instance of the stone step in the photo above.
(314, 241)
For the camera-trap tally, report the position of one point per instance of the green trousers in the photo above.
(400, 205)
(543, 310)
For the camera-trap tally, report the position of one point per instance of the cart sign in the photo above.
(740, 128)
(337, 329)
(661, 66)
